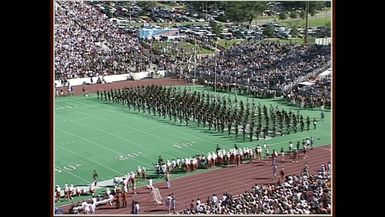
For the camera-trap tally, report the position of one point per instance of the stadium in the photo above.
(178, 107)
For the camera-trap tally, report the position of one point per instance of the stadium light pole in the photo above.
(195, 61)
(306, 20)
(248, 87)
(215, 70)
(130, 11)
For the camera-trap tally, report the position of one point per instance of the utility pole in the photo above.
(195, 62)
(306, 20)
(215, 71)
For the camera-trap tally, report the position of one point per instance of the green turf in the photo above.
(90, 134)
(292, 40)
(229, 43)
(312, 21)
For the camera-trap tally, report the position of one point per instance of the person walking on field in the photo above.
(95, 176)
(314, 123)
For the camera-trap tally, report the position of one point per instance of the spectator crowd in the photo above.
(262, 69)
(295, 194)
(88, 44)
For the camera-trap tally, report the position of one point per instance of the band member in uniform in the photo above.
(117, 198)
(124, 199)
(84, 91)
(95, 177)
(66, 191)
(217, 148)
(290, 147)
(58, 189)
(282, 154)
(308, 123)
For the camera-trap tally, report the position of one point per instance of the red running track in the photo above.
(234, 180)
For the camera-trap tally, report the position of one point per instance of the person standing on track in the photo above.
(259, 152)
(168, 203)
(124, 198)
(173, 202)
(282, 174)
(305, 150)
(306, 169)
(168, 179)
(275, 170)
(295, 156)
(150, 185)
(84, 92)
(137, 208)
(267, 152)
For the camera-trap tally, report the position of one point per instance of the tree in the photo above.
(293, 14)
(300, 5)
(147, 5)
(254, 9)
(216, 28)
(268, 31)
(302, 14)
(282, 16)
(199, 6)
(243, 11)
(312, 12)
(294, 31)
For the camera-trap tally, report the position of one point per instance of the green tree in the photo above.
(293, 14)
(282, 15)
(199, 6)
(147, 4)
(216, 28)
(302, 14)
(243, 11)
(313, 6)
(294, 31)
(254, 9)
(312, 12)
(268, 31)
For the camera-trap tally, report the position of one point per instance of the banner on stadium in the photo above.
(156, 33)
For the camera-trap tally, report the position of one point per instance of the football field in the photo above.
(114, 140)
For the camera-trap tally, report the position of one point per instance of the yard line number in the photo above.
(128, 155)
(67, 167)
